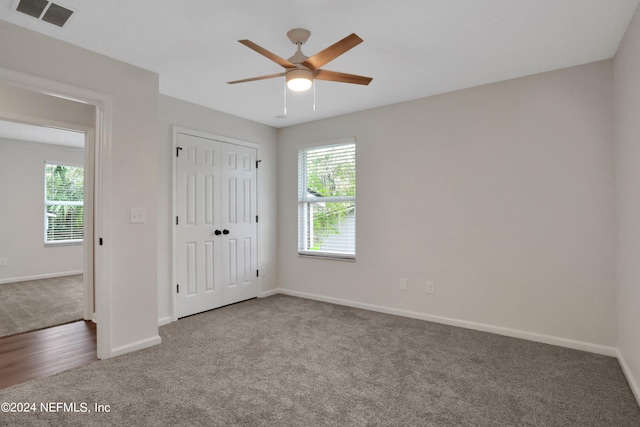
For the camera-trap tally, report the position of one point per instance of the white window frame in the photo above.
(304, 201)
(48, 203)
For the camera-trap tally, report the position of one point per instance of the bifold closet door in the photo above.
(215, 231)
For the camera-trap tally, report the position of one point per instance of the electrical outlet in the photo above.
(404, 284)
(3, 262)
(431, 287)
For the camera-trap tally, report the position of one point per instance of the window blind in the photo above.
(64, 203)
(327, 200)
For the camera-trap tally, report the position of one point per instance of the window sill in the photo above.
(324, 255)
(64, 243)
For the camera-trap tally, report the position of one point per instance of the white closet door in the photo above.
(214, 238)
(239, 222)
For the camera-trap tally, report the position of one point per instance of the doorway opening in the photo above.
(46, 271)
(32, 100)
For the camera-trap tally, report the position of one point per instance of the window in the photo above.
(64, 204)
(327, 200)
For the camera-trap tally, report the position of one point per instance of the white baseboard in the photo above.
(165, 320)
(269, 293)
(40, 276)
(633, 384)
(514, 333)
(135, 346)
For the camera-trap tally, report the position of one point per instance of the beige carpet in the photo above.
(37, 304)
(284, 361)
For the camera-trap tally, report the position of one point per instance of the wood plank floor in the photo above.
(42, 353)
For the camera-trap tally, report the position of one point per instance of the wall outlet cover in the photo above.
(431, 287)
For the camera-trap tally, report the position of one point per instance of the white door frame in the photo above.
(101, 162)
(207, 135)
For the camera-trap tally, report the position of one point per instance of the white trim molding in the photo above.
(135, 346)
(499, 330)
(633, 384)
(165, 320)
(266, 294)
(40, 276)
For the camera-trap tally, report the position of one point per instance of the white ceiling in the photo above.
(412, 48)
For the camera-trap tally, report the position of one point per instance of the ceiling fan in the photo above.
(301, 70)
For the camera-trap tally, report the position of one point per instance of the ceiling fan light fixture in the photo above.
(299, 80)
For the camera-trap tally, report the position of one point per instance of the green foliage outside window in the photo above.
(64, 199)
(329, 176)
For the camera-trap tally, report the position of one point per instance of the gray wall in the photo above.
(627, 109)
(22, 213)
(502, 194)
(131, 181)
(21, 184)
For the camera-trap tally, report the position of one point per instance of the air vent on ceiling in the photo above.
(45, 11)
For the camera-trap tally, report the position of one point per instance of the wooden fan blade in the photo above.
(332, 52)
(264, 52)
(252, 79)
(335, 76)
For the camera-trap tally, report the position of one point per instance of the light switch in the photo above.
(137, 216)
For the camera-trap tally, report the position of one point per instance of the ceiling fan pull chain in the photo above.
(314, 95)
(285, 98)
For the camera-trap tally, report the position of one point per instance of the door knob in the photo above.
(218, 232)
(225, 231)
